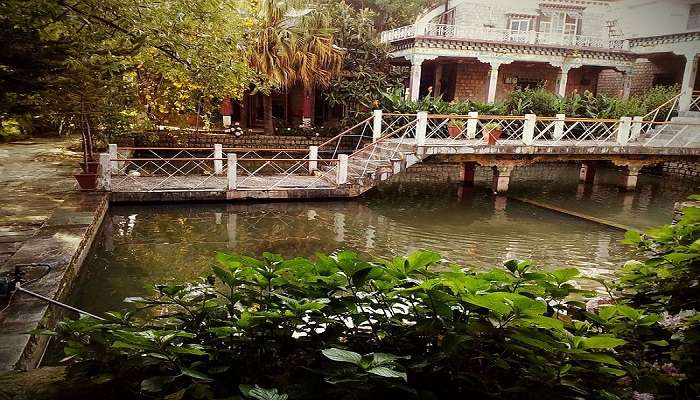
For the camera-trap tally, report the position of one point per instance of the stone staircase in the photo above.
(378, 162)
(663, 135)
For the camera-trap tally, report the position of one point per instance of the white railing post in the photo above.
(218, 162)
(529, 129)
(313, 157)
(636, 128)
(421, 127)
(113, 154)
(105, 171)
(342, 175)
(623, 130)
(376, 124)
(558, 127)
(231, 171)
(472, 122)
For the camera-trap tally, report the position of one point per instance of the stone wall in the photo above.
(434, 172)
(542, 72)
(644, 75)
(683, 169)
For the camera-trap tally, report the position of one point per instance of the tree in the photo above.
(292, 45)
(367, 70)
(389, 14)
(91, 54)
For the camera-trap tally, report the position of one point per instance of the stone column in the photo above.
(493, 81)
(466, 173)
(630, 174)
(587, 174)
(501, 178)
(626, 85)
(437, 82)
(414, 84)
(562, 79)
(689, 74)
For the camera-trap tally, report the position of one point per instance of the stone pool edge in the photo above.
(63, 242)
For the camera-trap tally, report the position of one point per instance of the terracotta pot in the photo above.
(494, 135)
(454, 131)
(86, 181)
(90, 167)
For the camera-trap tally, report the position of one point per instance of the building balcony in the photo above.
(457, 32)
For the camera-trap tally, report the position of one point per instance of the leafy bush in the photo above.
(540, 101)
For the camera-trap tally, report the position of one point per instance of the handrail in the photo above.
(345, 131)
(656, 111)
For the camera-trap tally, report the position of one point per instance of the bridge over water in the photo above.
(384, 145)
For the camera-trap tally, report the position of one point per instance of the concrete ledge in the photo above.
(62, 242)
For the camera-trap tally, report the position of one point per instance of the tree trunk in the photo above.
(267, 108)
(244, 111)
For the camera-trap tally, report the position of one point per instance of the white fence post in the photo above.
(313, 156)
(232, 165)
(559, 127)
(421, 127)
(623, 130)
(529, 129)
(342, 176)
(636, 128)
(218, 162)
(472, 124)
(113, 154)
(105, 171)
(377, 125)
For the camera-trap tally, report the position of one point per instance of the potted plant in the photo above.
(454, 127)
(492, 132)
(87, 179)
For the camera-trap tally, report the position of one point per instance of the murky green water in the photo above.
(146, 244)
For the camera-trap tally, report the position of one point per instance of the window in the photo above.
(520, 25)
(559, 22)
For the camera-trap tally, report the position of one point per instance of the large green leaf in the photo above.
(341, 355)
(388, 373)
(602, 342)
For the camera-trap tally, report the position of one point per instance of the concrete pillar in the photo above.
(630, 174)
(587, 174)
(376, 124)
(626, 85)
(689, 74)
(636, 130)
(218, 162)
(501, 178)
(231, 171)
(493, 82)
(559, 126)
(466, 173)
(500, 203)
(421, 127)
(472, 124)
(624, 129)
(397, 165)
(313, 156)
(414, 85)
(562, 79)
(529, 129)
(437, 82)
(342, 176)
(113, 155)
(105, 171)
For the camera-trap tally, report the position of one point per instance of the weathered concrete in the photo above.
(587, 174)
(62, 243)
(34, 175)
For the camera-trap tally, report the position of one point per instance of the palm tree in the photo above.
(291, 45)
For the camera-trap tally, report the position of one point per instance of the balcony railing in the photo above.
(500, 35)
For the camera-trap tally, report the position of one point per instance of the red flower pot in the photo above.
(454, 131)
(494, 135)
(86, 181)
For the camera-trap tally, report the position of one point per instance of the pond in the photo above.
(145, 244)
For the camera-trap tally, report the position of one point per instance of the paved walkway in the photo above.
(34, 176)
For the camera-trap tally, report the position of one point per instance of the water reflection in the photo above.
(147, 244)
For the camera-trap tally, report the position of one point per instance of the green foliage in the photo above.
(407, 327)
(366, 66)
(540, 101)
